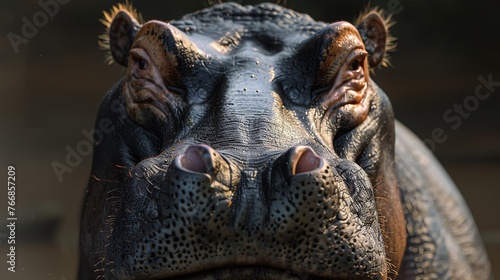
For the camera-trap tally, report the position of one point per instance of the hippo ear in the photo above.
(374, 30)
(122, 24)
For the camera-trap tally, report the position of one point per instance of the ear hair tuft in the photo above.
(390, 42)
(214, 2)
(107, 19)
(283, 3)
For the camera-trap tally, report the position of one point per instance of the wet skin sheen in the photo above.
(250, 142)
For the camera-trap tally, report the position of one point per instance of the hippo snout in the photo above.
(254, 194)
(209, 212)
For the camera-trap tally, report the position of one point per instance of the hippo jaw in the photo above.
(244, 170)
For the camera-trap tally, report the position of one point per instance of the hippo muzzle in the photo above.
(204, 214)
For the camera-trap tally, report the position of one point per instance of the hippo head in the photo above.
(248, 143)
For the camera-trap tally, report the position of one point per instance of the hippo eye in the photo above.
(143, 64)
(357, 61)
(140, 58)
(354, 65)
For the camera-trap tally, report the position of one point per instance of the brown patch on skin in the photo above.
(152, 38)
(347, 97)
(344, 38)
(146, 93)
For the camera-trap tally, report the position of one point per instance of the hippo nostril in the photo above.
(298, 160)
(307, 162)
(303, 160)
(204, 159)
(193, 160)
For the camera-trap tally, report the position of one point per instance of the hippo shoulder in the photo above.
(438, 218)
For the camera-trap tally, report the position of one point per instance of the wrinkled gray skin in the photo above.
(250, 143)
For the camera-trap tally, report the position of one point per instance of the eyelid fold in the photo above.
(343, 45)
(169, 50)
(139, 53)
(139, 57)
(357, 54)
(319, 59)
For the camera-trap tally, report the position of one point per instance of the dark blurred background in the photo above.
(52, 85)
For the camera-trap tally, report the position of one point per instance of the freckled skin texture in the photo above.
(249, 142)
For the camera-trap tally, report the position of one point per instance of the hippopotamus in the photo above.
(250, 142)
